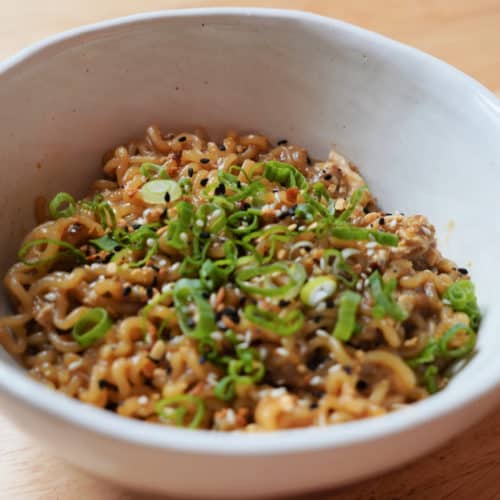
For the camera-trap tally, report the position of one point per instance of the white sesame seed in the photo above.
(302, 228)
(393, 224)
(230, 416)
(263, 352)
(216, 336)
(316, 380)
(370, 252)
(276, 393)
(371, 244)
(321, 333)
(199, 223)
(162, 262)
(282, 351)
(167, 287)
(143, 400)
(50, 297)
(320, 307)
(212, 379)
(183, 237)
(292, 227)
(217, 213)
(359, 286)
(111, 268)
(75, 364)
(426, 230)
(150, 242)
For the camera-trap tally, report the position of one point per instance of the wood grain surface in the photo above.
(465, 33)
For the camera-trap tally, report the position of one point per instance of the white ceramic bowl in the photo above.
(426, 137)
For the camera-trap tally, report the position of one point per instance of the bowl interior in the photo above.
(424, 136)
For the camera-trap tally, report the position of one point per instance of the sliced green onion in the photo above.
(244, 221)
(188, 295)
(106, 243)
(213, 217)
(354, 200)
(177, 233)
(224, 389)
(282, 324)
(363, 234)
(317, 289)
(382, 293)
(461, 351)
(285, 174)
(152, 251)
(341, 269)
(462, 297)
(427, 355)
(346, 322)
(150, 170)
(71, 251)
(169, 409)
(305, 211)
(161, 191)
(294, 272)
(62, 205)
(430, 378)
(92, 326)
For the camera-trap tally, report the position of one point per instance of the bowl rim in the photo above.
(17, 385)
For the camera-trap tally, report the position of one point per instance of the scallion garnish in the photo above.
(346, 321)
(262, 280)
(62, 205)
(317, 289)
(462, 297)
(91, 327)
(283, 324)
(384, 303)
(360, 233)
(70, 251)
(176, 235)
(285, 174)
(175, 408)
(196, 317)
(161, 191)
(150, 170)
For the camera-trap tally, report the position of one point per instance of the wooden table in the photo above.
(463, 32)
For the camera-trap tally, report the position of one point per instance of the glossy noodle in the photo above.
(235, 286)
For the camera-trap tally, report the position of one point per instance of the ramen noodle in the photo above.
(237, 285)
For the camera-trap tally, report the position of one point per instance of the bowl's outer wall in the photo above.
(425, 137)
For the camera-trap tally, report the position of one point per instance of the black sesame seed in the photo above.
(222, 147)
(361, 385)
(154, 283)
(117, 248)
(330, 303)
(167, 197)
(218, 315)
(238, 184)
(165, 334)
(202, 359)
(127, 291)
(204, 234)
(111, 406)
(318, 319)
(182, 139)
(282, 142)
(315, 359)
(104, 384)
(204, 160)
(31, 350)
(291, 210)
(313, 405)
(347, 369)
(283, 303)
(462, 270)
(190, 171)
(164, 214)
(191, 323)
(318, 394)
(220, 189)
(245, 206)
(149, 292)
(204, 181)
(205, 295)
(136, 226)
(232, 314)
(155, 268)
(366, 210)
(108, 257)
(381, 221)
(309, 161)
(242, 301)
(327, 177)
